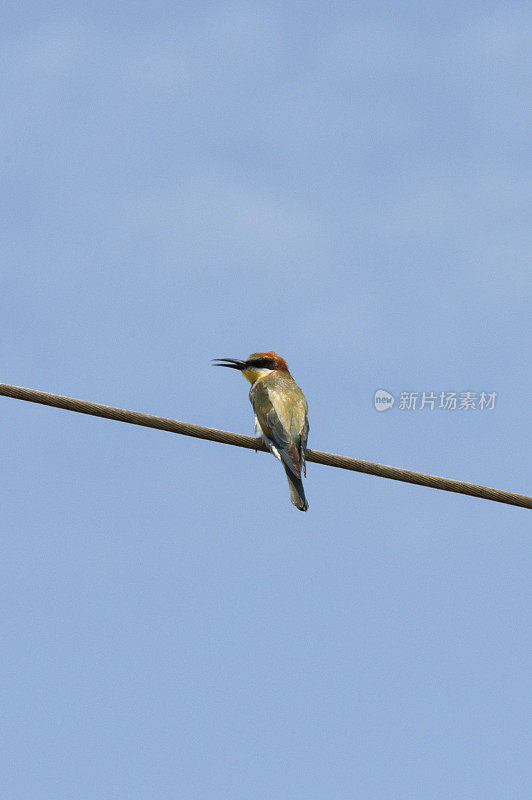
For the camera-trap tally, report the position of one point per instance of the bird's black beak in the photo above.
(234, 363)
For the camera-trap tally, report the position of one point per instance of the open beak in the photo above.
(234, 363)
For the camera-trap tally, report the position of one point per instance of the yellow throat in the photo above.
(254, 373)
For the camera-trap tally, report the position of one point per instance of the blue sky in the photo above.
(347, 184)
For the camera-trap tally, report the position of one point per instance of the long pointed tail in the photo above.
(297, 493)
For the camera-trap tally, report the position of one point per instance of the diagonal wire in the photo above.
(252, 443)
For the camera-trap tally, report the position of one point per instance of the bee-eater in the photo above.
(280, 414)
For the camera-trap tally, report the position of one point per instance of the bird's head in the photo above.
(256, 365)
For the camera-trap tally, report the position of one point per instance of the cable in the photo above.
(252, 443)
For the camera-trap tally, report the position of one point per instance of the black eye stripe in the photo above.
(261, 363)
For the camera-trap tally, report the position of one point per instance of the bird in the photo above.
(281, 414)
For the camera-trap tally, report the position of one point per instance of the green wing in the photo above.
(284, 424)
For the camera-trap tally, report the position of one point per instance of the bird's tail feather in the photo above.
(297, 493)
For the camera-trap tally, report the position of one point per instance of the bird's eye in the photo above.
(261, 363)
